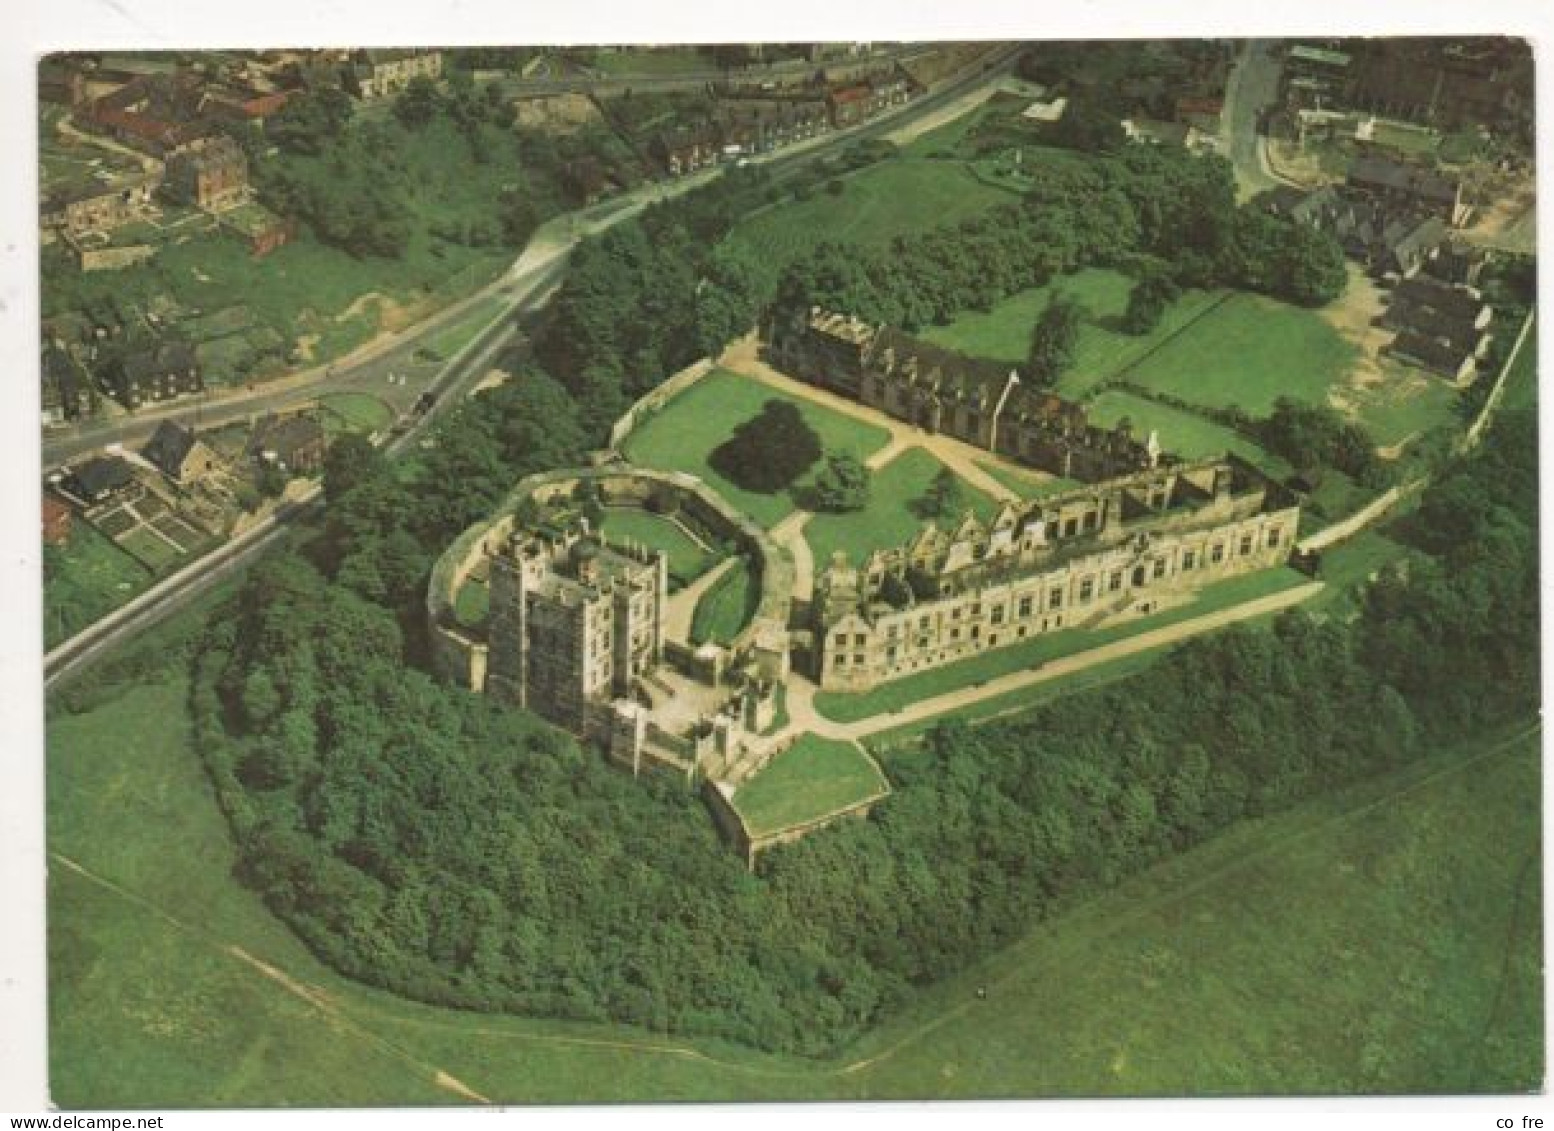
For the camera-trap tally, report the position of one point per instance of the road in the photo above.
(525, 286)
(1252, 87)
(539, 266)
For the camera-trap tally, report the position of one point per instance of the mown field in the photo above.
(688, 559)
(690, 427)
(727, 606)
(814, 777)
(1386, 939)
(894, 513)
(878, 203)
(84, 580)
(1182, 433)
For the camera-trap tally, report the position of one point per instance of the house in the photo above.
(380, 72)
(1395, 183)
(1435, 355)
(1458, 263)
(1409, 250)
(157, 114)
(157, 372)
(212, 175)
(56, 521)
(1461, 303)
(685, 149)
(1154, 132)
(100, 478)
(177, 453)
(99, 206)
(67, 392)
(295, 444)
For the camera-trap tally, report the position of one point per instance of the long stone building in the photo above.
(1128, 546)
(981, 402)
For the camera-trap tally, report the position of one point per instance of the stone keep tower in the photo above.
(574, 623)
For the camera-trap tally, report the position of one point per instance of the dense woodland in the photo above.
(421, 839)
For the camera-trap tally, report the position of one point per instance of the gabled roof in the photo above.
(168, 447)
(101, 474)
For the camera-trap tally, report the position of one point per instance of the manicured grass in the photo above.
(1028, 484)
(84, 580)
(727, 607)
(690, 427)
(358, 412)
(688, 560)
(890, 519)
(904, 196)
(1249, 351)
(1407, 403)
(1185, 434)
(1103, 350)
(472, 603)
(658, 61)
(812, 778)
(847, 707)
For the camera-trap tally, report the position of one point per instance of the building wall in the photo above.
(855, 652)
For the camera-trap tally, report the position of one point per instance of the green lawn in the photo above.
(890, 518)
(852, 706)
(688, 560)
(1382, 939)
(444, 343)
(1521, 387)
(1185, 434)
(1103, 350)
(84, 580)
(472, 603)
(691, 426)
(357, 412)
(813, 777)
(1028, 484)
(151, 551)
(893, 198)
(727, 607)
(1249, 351)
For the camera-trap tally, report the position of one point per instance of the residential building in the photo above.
(100, 479)
(212, 175)
(382, 72)
(177, 453)
(157, 371)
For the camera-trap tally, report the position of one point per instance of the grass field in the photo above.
(1521, 387)
(812, 778)
(692, 425)
(851, 706)
(472, 603)
(84, 580)
(151, 551)
(1384, 939)
(1249, 351)
(688, 560)
(890, 518)
(727, 607)
(356, 412)
(1103, 350)
(1182, 433)
(893, 198)
(1028, 485)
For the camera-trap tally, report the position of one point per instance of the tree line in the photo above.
(426, 840)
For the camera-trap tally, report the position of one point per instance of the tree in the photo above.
(944, 498)
(842, 485)
(1147, 301)
(350, 461)
(418, 103)
(1053, 340)
(768, 452)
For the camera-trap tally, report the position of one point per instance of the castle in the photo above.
(1128, 546)
(574, 622)
(981, 402)
(1144, 531)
